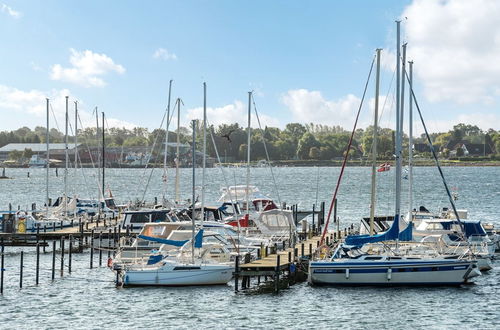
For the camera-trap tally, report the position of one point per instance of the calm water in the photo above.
(88, 299)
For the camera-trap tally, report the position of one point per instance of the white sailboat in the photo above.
(362, 261)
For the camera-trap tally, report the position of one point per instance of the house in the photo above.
(471, 149)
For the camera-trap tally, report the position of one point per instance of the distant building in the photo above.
(471, 149)
(57, 150)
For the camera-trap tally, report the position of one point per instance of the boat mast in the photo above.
(66, 161)
(166, 146)
(178, 149)
(398, 147)
(410, 145)
(248, 150)
(193, 213)
(204, 153)
(76, 146)
(98, 159)
(103, 157)
(374, 145)
(48, 162)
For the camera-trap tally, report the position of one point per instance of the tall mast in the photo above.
(98, 155)
(76, 136)
(103, 156)
(178, 149)
(374, 145)
(204, 152)
(47, 137)
(249, 132)
(76, 144)
(166, 146)
(410, 145)
(398, 119)
(193, 213)
(66, 161)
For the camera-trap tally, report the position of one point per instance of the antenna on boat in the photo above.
(374, 144)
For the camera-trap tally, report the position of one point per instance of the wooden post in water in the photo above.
(21, 271)
(62, 256)
(310, 250)
(92, 249)
(236, 272)
(100, 249)
(37, 271)
(277, 275)
(70, 252)
(302, 249)
(53, 260)
(109, 243)
(314, 216)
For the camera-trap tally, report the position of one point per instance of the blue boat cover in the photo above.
(163, 240)
(407, 233)
(198, 240)
(471, 227)
(389, 235)
(154, 259)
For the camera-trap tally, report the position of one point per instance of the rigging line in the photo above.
(267, 153)
(346, 155)
(433, 151)
(54, 116)
(149, 158)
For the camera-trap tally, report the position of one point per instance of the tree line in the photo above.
(295, 141)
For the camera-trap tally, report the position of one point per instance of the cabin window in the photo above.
(139, 218)
(158, 217)
(395, 258)
(373, 258)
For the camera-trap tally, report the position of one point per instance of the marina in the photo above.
(266, 165)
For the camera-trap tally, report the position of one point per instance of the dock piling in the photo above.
(109, 243)
(37, 270)
(2, 267)
(53, 260)
(100, 249)
(62, 256)
(70, 252)
(277, 275)
(92, 249)
(21, 271)
(236, 272)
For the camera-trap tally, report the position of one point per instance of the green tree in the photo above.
(306, 142)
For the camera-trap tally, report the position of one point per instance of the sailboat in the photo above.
(191, 264)
(361, 261)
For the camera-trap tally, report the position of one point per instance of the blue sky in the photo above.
(306, 60)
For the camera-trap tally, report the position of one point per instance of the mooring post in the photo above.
(119, 235)
(277, 276)
(322, 213)
(92, 249)
(37, 232)
(109, 243)
(21, 271)
(246, 279)
(295, 254)
(302, 249)
(2, 270)
(62, 256)
(236, 272)
(100, 249)
(53, 260)
(70, 252)
(289, 256)
(310, 250)
(37, 271)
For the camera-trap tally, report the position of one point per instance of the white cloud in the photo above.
(9, 11)
(236, 112)
(28, 108)
(456, 47)
(87, 69)
(163, 54)
(311, 107)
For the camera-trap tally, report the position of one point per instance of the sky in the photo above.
(305, 61)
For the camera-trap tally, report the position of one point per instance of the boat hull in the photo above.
(390, 274)
(179, 276)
